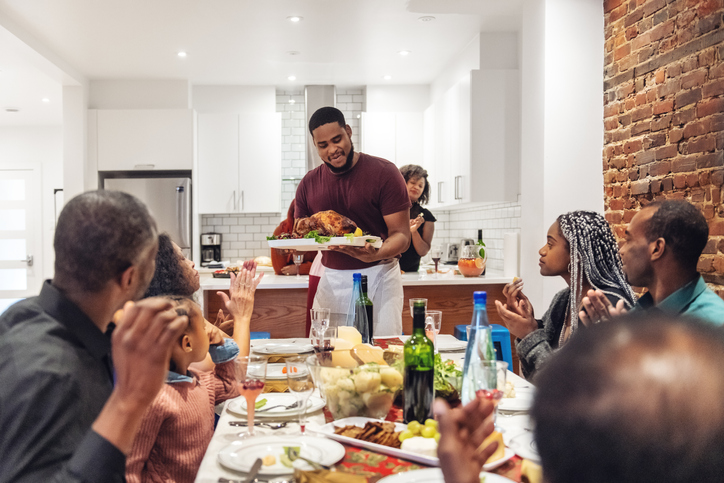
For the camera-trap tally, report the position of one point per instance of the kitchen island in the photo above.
(281, 301)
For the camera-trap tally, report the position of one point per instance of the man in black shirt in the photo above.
(67, 414)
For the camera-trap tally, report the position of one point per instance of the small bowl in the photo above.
(366, 389)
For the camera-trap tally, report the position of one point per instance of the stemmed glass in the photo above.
(298, 259)
(433, 322)
(320, 317)
(436, 255)
(250, 377)
(299, 379)
(490, 382)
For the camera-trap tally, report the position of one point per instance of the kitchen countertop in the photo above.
(273, 281)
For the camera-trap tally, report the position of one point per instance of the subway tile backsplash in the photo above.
(242, 236)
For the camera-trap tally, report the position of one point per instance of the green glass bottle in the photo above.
(365, 300)
(419, 354)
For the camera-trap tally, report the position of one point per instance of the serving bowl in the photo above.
(366, 387)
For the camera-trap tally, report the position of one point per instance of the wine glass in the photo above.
(433, 322)
(323, 341)
(299, 379)
(298, 259)
(320, 317)
(489, 377)
(436, 255)
(250, 377)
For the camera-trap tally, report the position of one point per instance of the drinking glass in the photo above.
(323, 341)
(298, 259)
(436, 255)
(320, 317)
(250, 374)
(299, 379)
(433, 323)
(489, 377)
(470, 263)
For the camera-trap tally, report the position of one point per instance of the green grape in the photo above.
(437, 437)
(414, 427)
(405, 435)
(428, 432)
(431, 422)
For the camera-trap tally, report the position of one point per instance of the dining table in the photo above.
(514, 424)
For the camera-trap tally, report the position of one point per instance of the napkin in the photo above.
(327, 476)
(276, 386)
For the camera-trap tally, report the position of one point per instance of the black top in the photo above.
(410, 261)
(56, 375)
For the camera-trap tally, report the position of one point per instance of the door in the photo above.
(218, 148)
(20, 223)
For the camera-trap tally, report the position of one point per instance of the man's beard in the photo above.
(346, 166)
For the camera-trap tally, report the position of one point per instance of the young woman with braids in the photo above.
(581, 249)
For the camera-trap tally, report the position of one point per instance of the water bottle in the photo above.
(357, 313)
(480, 345)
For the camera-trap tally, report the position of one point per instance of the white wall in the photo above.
(139, 94)
(456, 69)
(42, 145)
(233, 98)
(408, 98)
(562, 128)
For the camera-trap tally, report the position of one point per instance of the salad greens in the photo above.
(317, 237)
(447, 379)
(482, 248)
(260, 403)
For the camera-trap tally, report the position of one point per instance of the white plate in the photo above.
(308, 244)
(275, 371)
(434, 475)
(522, 401)
(328, 431)
(524, 446)
(241, 455)
(447, 345)
(238, 405)
(277, 349)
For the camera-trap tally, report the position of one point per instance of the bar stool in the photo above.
(501, 341)
(259, 335)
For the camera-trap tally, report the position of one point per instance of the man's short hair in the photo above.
(99, 235)
(683, 227)
(325, 115)
(637, 399)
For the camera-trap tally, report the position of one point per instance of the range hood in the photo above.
(314, 98)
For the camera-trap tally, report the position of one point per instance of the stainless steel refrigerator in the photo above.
(169, 201)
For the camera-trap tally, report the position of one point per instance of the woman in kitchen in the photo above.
(581, 249)
(422, 223)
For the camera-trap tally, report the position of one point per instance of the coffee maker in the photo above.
(210, 249)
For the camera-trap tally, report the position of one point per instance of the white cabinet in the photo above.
(394, 136)
(133, 139)
(239, 159)
(472, 140)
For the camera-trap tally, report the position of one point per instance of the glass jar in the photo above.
(470, 263)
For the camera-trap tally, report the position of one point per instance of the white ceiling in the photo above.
(341, 42)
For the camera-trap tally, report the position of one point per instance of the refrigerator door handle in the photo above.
(182, 215)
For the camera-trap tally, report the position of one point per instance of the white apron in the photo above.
(384, 288)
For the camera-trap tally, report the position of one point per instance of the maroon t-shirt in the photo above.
(371, 190)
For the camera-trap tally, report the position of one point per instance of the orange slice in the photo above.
(479, 262)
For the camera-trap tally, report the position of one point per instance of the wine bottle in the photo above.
(419, 357)
(368, 307)
(480, 345)
(357, 315)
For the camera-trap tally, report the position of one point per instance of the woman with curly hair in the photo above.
(175, 274)
(422, 223)
(581, 249)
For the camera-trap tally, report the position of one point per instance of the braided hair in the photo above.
(594, 253)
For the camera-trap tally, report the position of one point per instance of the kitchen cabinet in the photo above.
(472, 140)
(142, 139)
(394, 136)
(239, 156)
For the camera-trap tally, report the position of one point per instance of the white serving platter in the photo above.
(434, 475)
(328, 431)
(309, 244)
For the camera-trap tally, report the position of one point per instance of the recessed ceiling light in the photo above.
(45, 99)
(12, 109)
(359, 116)
(404, 52)
(292, 77)
(426, 18)
(295, 19)
(293, 52)
(387, 77)
(181, 54)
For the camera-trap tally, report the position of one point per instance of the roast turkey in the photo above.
(326, 223)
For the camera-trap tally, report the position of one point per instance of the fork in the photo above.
(294, 455)
(291, 406)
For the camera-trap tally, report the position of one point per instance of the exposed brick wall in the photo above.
(664, 113)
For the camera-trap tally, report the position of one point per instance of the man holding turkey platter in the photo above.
(372, 193)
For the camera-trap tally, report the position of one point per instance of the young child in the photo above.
(179, 424)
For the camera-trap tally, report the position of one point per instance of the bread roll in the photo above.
(263, 261)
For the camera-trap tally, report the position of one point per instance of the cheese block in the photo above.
(499, 451)
(531, 472)
(420, 445)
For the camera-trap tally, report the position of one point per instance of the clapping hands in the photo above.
(517, 312)
(597, 308)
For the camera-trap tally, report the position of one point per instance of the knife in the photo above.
(254, 470)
